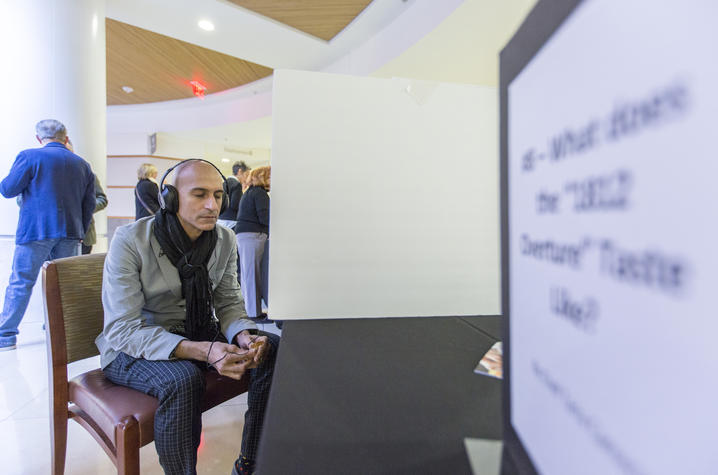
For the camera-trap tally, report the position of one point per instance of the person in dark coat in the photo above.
(233, 189)
(146, 191)
(253, 241)
(100, 203)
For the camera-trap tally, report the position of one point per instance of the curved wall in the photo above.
(254, 100)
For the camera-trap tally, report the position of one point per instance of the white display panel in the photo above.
(613, 268)
(384, 198)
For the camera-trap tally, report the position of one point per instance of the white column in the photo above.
(52, 66)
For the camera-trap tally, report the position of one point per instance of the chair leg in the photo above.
(127, 436)
(58, 440)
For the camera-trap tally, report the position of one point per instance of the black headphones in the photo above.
(169, 198)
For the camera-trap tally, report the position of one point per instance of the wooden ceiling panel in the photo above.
(321, 18)
(159, 68)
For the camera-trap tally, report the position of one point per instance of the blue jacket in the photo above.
(58, 193)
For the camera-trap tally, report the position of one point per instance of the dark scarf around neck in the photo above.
(190, 259)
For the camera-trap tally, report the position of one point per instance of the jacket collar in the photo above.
(169, 271)
(54, 144)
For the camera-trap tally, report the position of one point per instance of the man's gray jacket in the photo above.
(142, 295)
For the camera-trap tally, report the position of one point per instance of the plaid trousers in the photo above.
(179, 386)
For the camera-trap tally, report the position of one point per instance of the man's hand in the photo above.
(230, 360)
(253, 343)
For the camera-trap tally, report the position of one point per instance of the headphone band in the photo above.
(169, 170)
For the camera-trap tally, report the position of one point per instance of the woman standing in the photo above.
(146, 191)
(253, 241)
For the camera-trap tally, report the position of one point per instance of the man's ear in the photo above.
(38, 139)
(67, 138)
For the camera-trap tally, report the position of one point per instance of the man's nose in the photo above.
(211, 203)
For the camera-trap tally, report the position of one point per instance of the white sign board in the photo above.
(613, 231)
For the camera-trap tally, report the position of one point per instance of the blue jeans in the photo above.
(26, 264)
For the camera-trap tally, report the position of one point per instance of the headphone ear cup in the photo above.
(171, 199)
(225, 203)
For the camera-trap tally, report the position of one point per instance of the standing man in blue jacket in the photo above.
(58, 198)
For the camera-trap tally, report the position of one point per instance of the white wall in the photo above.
(176, 145)
(384, 198)
(465, 47)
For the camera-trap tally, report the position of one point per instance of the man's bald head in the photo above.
(200, 191)
(193, 167)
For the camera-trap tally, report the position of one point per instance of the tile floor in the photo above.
(24, 412)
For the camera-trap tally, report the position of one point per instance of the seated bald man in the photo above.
(173, 310)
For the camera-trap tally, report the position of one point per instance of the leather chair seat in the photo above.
(107, 404)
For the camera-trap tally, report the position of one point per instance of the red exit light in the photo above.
(198, 89)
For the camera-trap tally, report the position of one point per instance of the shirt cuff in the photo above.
(237, 326)
(172, 353)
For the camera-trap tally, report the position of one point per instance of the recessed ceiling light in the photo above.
(206, 25)
(225, 160)
(127, 89)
